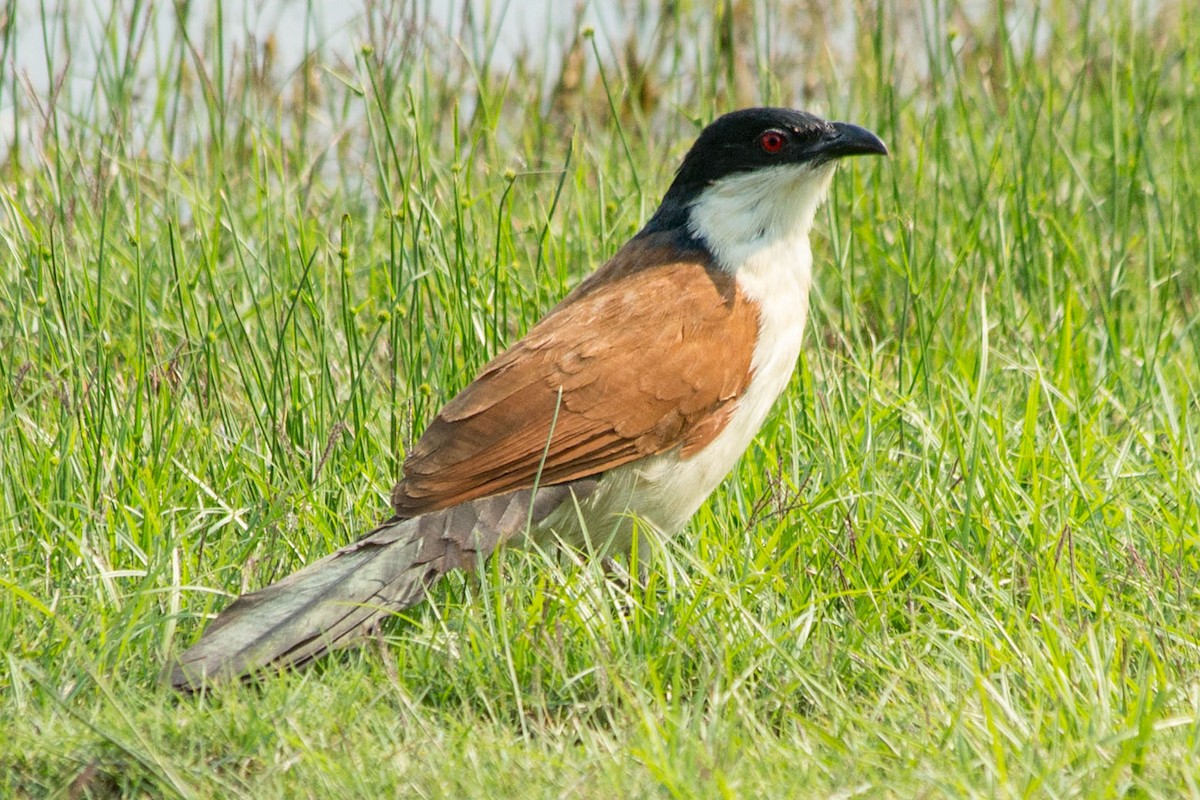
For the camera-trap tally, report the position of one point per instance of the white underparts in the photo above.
(756, 224)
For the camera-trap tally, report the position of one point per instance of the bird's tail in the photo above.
(341, 597)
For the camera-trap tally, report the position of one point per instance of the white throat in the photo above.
(746, 215)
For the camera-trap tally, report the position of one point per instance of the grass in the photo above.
(960, 560)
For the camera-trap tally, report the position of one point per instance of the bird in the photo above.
(609, 422)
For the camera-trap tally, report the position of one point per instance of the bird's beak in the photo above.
(850, 140)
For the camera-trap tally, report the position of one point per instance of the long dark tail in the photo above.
(336, 600)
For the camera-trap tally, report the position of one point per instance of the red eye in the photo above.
(772, 141)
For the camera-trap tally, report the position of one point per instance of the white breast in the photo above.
(756, 225)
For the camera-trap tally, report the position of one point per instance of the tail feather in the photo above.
(336, 600)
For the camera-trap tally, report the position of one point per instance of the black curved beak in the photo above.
(849, 140)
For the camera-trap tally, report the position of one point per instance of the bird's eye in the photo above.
(772, 141)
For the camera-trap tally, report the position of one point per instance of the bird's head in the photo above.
(758, 172)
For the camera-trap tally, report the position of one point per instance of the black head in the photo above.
(760, 138)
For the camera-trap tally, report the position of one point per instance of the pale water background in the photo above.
(58, 49)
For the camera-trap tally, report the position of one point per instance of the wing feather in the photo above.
(649, 354)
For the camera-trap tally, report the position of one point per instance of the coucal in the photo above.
(630, 400)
